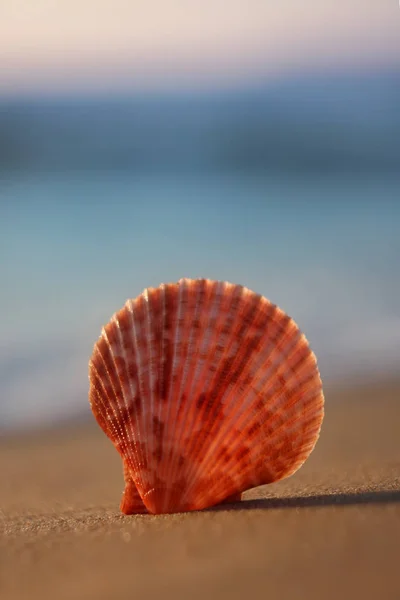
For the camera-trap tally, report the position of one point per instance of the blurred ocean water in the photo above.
(317, 124)
(291, 193)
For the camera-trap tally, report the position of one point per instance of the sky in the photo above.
(79, 45)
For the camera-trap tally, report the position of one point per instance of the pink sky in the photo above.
(84, 44)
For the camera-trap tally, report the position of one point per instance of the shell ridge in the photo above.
(117, 421)
(268, 392)
(110, 428)
(190, 356)
(96, 402)
(223, 374)
(233, 441)
(221, 295)
(283, 424)
(235, 303)
(253, 310)
(199, 379)
(302, 445)
(150, 445)
(154, 305)
(162, 375)
(288, 338)
(203, 376)
(161, 366)
(236, 410)
(125, 432)
(242, 402)
(169, 310)
(272, 449)
(142, 416)
(116, 424)
(201, 364)
(291, 410)
(177, 467)
(178, 313)
(136, 437)
(199, 303)
(145, 374)
(276, 392)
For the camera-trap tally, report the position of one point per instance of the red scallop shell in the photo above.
(206, 389)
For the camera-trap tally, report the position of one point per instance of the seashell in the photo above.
(206, 389)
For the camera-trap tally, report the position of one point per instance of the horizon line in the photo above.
(178, 87)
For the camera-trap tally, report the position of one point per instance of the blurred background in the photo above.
(255, 142)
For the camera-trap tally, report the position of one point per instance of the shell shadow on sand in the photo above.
(342, 499)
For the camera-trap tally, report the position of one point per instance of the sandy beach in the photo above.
(330, 531)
